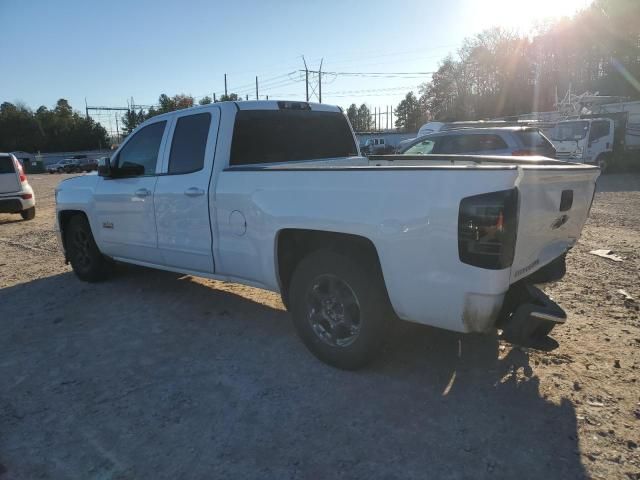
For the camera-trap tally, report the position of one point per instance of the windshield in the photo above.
(570, 131)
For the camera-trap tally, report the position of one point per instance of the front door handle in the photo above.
(193, 192)
(142, 192)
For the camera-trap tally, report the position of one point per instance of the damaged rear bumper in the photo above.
(528, 316)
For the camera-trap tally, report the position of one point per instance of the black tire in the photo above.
(29, 213)
(83, 253)
(369, 315)
(604, 162)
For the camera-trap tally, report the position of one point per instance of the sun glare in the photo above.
(521, 15)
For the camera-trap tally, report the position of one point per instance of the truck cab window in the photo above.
(270, 136)
(189, 143)
(599, 130)
(140, 154)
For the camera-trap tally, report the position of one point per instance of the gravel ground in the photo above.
(158, 375)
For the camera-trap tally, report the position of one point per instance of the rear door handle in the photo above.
(193, 192)
(142, 192)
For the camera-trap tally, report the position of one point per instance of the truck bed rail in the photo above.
(479, 159)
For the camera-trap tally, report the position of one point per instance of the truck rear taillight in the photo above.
(20, 170)
(487, 226)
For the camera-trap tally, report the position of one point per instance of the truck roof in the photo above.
(256, 105)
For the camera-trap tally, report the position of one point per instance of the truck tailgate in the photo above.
(554, 202)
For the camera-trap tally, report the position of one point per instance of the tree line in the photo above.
(496, 73)
(57, 130)
(499, 73)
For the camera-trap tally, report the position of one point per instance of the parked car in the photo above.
(72, 165)
(275, 195)
(511, 141)
(88, 164)
(60, 167)
(376, 146)
(16, 195)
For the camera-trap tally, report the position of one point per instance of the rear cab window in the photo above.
(189, 143)
(286, 135)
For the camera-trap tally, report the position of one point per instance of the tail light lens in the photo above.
(487, 226)
(20, 170)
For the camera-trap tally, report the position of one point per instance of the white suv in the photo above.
(16, 195)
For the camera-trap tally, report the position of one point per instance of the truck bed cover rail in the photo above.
(479, 159)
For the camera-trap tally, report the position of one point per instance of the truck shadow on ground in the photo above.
(10, 219)
(156, 375)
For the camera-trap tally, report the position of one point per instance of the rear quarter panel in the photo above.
(410, 215)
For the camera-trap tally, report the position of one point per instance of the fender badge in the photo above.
(107, 225)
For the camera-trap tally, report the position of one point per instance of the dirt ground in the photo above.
(158, 375)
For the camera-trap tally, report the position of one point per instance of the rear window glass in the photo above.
(269, 136)
(189, 143)
(532, 139)
(6, 165)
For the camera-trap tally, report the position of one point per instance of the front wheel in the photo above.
(83, 253)
(340, 310)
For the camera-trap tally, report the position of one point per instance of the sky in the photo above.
(110, 52)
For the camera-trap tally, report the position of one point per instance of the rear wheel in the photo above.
(340, 310)
(83, 253)
(29, 213)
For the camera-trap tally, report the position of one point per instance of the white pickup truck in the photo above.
(275, 195)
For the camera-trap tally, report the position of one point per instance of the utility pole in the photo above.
(247, 97)
(257, 97)
(117, 130)
(214, 97)
(375, 119)
(387, 117)
(225, 85)
(306, 77)
(320, 81)
(86, 109)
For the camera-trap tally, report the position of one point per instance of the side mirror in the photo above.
(104, 167)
